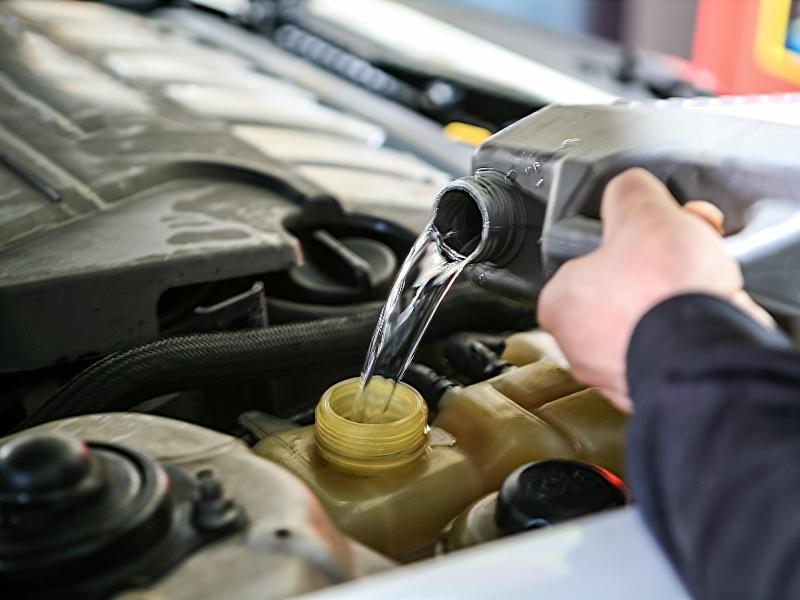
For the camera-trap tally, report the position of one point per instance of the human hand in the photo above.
(652, 249)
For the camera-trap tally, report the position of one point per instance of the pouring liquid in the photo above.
(424, 279)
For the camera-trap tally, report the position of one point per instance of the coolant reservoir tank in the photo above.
(393, 484)
(526, 347)
(521, 416)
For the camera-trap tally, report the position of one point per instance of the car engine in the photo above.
(199, 223)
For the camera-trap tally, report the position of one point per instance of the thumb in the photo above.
(638, 200)
(743, 300)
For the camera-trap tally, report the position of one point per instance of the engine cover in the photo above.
(142, 162)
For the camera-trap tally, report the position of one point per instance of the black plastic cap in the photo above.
(341, 270)
(69, 508)
(43, 468)
(544, 493)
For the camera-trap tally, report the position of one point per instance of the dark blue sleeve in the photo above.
(714, 448)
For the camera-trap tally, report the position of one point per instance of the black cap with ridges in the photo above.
(550, 491)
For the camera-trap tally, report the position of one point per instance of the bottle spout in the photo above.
(482, 217)
(487, 218)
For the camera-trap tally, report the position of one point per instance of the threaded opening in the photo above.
(398, 438)
(482, 217)
(459, 221)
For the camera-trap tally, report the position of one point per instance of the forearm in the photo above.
(714, 446)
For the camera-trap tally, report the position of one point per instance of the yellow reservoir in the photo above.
(395, 484)
(392, 485)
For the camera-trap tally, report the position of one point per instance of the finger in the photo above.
(619, 399)
(743, 300)
(551, 298)
(635, 199)
(615, 391)
(708, 213)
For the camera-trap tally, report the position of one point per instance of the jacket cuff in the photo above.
(684, 328)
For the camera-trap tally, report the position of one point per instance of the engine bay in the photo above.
(198, 229)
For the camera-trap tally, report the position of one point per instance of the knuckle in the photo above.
(627, 184)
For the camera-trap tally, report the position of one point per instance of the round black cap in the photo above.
(550, 491)
(342, 270)
(43, 468)
(64, 504)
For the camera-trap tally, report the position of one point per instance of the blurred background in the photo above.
(664, 25)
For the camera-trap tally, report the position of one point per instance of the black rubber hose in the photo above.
(430, 384)
(474, 357)
(124, 379)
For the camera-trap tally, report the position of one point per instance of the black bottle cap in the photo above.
(550, 491)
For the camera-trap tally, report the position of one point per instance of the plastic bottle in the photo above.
(533, 201)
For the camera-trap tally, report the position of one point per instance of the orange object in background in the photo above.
(726, 40)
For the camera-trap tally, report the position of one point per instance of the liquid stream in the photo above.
(427, 274)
